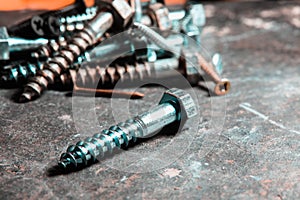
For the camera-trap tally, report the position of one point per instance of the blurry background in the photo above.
(46, 4)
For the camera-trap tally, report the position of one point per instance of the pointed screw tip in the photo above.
(25, 97)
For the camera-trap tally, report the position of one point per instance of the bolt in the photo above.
(174, 109)
(222, 85)
(159, 15)
(76, 46)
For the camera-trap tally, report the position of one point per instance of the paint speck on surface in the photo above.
(124, 178)
(195, 168)
(171, 172)
(257, 178)
(76, 136)
(65, 118)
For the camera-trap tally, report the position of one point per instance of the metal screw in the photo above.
(45, 25)
(222, 85)
(18, 73)
(11, 44)
(175, 108)
(79, 43)
(126, 73)
(54, 67)
(76, 22)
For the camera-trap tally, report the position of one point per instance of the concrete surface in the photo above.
(247, 145)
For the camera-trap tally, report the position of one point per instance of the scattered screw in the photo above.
(175, 108)
(79, 43)
(54, 67)
(222, 85)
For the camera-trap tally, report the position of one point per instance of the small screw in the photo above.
(222, 85)
(174, 109)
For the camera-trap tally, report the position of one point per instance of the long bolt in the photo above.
(222, 85)
(65, 57)
(175, 108)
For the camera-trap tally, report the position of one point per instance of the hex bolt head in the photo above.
(184, 103)
(175, 107)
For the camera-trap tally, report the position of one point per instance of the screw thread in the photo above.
(49, 49)
(89, 14)
(222, 85)
(208, 68)
(108, 76)
(95, 147)
(156, 38)
(19, 73)
(66, 56)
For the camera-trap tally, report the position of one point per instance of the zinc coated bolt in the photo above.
(174, 109)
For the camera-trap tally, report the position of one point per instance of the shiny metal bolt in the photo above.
(174, 109)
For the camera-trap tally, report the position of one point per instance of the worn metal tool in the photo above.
(117, 14)
(11, 44)
(174, 109)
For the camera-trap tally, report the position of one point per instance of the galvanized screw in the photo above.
(175, 107)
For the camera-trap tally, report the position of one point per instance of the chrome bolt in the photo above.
(175, 107)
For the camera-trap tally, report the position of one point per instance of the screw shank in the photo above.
(101, 23)
(156, 118)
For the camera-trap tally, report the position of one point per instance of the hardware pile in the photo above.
(73, 47)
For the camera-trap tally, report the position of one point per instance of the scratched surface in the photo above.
(250, 151)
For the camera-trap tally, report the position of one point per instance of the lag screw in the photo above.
(66, 56)
(175, 108)
(117, 14)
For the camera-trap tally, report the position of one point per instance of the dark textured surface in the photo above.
(256, 156)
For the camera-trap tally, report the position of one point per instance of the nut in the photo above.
(198, 14)
(181, 101)
(121, 11)
(159, 15)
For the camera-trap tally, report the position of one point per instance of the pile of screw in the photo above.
(64, 48)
